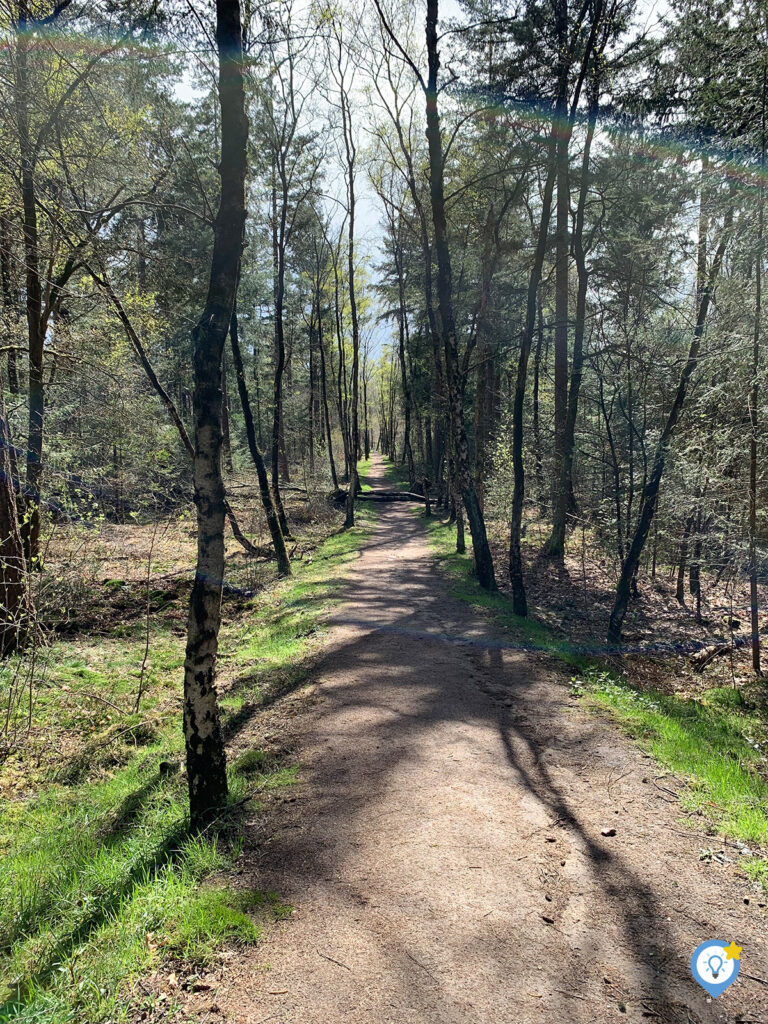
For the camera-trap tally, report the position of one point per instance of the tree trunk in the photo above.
(10, 304)
(341, 377)
(559, 501)
(277, 450)
(273, 522)
(366, 431)
(651, 489)
(484, 384)
(564, 498)
(324, 391)
(694, 581)
(15, 599)
(680, 586)
(753, 402)
(354, 439)
(481, 548)
(519, 599)
(226, 438)
(34, 291)
(402, 328)
(538, 465)
(311, 402)
(206, 758)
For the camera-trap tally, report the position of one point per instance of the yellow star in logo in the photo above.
(733, 952)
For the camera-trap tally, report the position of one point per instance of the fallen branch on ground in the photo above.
(390, 496)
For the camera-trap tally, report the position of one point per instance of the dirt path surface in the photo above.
(444, 853)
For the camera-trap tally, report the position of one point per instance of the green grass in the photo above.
(100, 880)
(363, 471)
(396, 474)
(711, 742)
(715, 743)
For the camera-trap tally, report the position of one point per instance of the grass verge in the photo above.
(99, 879)
(363, 471)
(716, 743)
(396, 474)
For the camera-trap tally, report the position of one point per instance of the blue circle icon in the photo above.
(715, 965)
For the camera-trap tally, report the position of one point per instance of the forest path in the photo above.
(444, 853)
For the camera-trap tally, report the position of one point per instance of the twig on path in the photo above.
(665, 790)
(331, 960)
(754, 977)
(549, 824)
(421, 965)
(613, 782)
(570, 995)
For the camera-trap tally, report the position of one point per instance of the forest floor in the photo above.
(100, 882)
(466, 843)
(662, 637)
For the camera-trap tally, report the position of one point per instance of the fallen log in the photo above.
(702, 658)
(390, 496)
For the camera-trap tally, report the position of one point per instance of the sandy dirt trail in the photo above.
(444, 852)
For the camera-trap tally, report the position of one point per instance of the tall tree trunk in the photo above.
(15, 600)
(754, 398)
(341, 377)
(651, 489)
(277, 451)
(273, 521)
(324, 391)
(538, 465)
(366, 431)
(694, 581)
(483, 398)
(519, 599)
(10, 304)
(311, 401)
(206, 758)
(354, 429)
(564, 500)
(680, 585)
(562, 248)
(225, 410)
(481, 548)
(402, 329)
(436, 433)
(34, 290)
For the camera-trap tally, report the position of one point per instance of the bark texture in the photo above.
(206, 759)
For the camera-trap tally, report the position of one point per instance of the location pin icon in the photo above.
(715, 965)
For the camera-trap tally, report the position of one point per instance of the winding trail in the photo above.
(444, 853)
